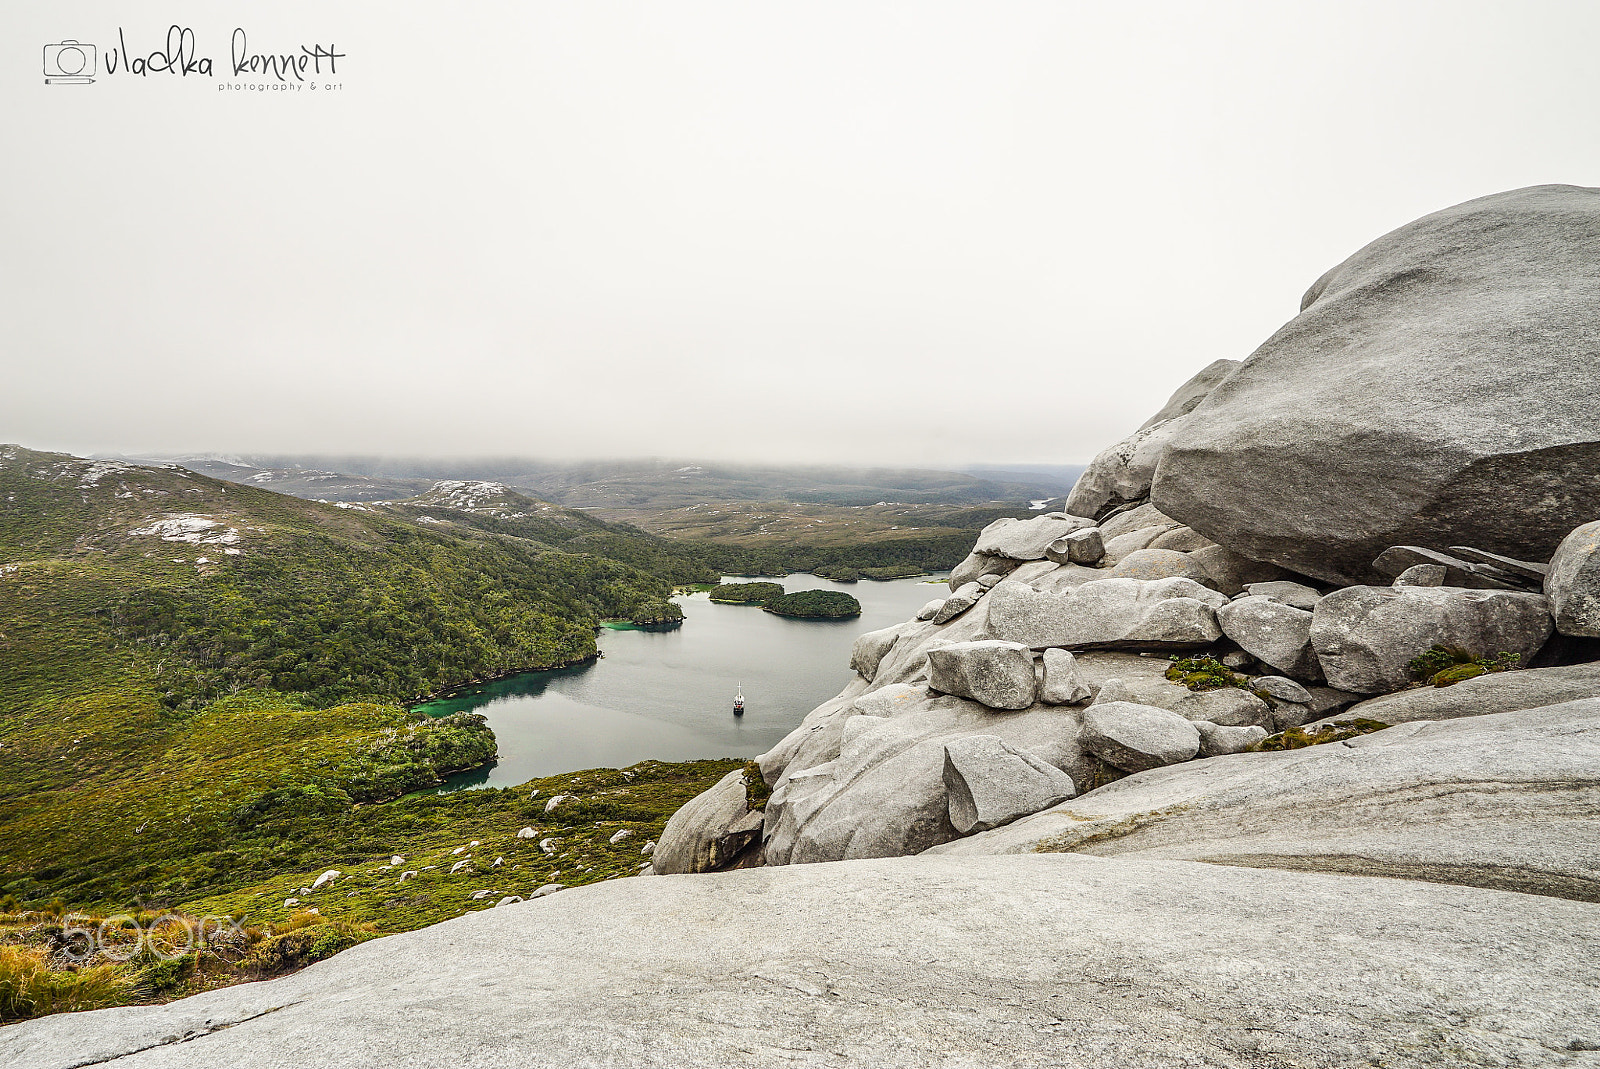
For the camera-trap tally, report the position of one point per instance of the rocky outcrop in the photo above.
(1123, 473)
(991, 783)
(1025, 540)
(1365, 636)
(1138, 737)
(1043, 960)
(1060, 683)
(997, 674)
(1573, 582)
(1497, 692)
(884, 794)
(868, 651)
(710, 831)
(1228, 706)
(1443, 378)
(1491, 801)
(1160, 614)
(1274, 632)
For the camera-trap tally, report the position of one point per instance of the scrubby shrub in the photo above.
(29, 988)
(1338, 731)
(1204, 673)
(1444, 665)
(756, 791)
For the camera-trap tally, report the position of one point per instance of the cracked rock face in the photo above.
(1395, 408)
(992, 783)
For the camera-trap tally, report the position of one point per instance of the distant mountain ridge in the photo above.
(626, 484)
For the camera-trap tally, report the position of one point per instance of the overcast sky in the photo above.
(859, 232)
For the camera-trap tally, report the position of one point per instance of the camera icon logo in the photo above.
(69, 63)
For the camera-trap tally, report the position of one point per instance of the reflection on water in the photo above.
(669, 694)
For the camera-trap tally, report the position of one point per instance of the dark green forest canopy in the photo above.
(747, 593)
(817, 604)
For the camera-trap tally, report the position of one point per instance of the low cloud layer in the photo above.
(892, 233)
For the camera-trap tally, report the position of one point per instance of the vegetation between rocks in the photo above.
(1442, 666)
(1337, 731)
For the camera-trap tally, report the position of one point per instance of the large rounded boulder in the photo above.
(1440, 387)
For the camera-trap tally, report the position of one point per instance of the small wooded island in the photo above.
(747, 593)
(815, 605)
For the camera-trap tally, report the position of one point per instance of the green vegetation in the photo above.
(756, 791)
(746, 593)
(200, 702)
(815, 604)
(51, 962)
(1337, 731)
(1205, 673)
(1445, 665)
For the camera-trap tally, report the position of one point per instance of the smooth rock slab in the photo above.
(1506, 800)
(1137, 737)
(1573, 582)
(993, 783)
(1497, 692)
(1159, 564)
(1290, 593)
(1364, 636)
(1018, 961)
(1217, 739)
(1228, 706)
(1163, 613)
(998, 674)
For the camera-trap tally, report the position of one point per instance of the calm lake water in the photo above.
(669, 694)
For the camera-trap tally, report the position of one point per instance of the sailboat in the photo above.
(738, 700)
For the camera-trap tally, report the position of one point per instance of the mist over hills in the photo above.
(630, 484)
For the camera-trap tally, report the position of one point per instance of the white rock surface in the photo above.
(1025, 540)
(992, 783)
(869, 649)
(1573, 582)
(1274, 632)
(1161, 613)
(325, 880)
(876, 789)
(1229, 706)
(1217, 739)
(1365, 636)
(1027, 962)
(691, 841)
(1062, 685)
(1497, 692)
(1290, 593)
(1138, 737)
(998, 674)
(1080, 547)
(1494, 801)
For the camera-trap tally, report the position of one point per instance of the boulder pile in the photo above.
(1397, 493)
